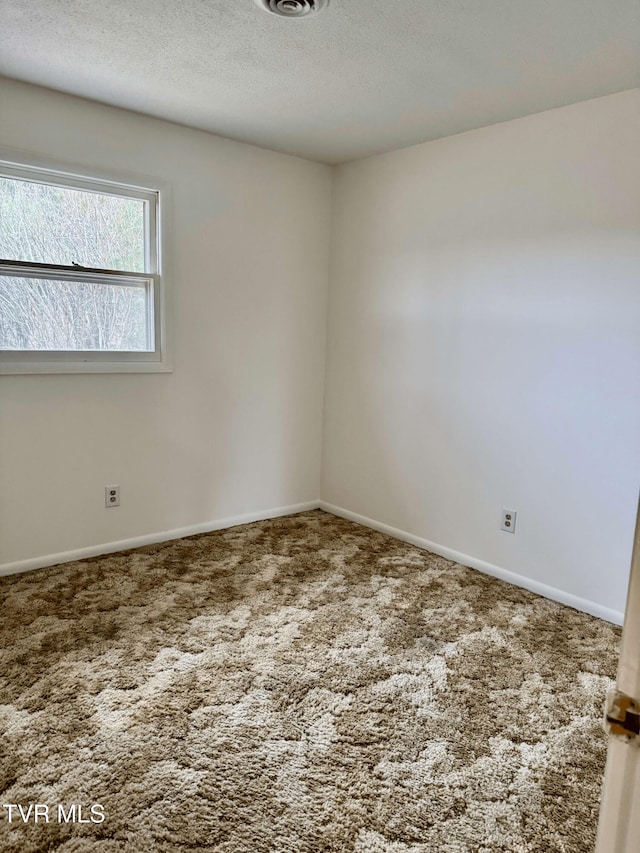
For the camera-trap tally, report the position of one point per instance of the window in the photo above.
(80, 283)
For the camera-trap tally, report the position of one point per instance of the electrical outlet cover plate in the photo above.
(111, 496)
(509, 520)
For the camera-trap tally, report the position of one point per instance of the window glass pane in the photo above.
(42, 314)
(58, 225)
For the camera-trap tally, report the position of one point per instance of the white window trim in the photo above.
(157, 194)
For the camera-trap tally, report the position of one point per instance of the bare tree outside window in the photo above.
(50, 224)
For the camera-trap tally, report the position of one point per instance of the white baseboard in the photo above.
(554, 594)
(522, 581)
(152, 538)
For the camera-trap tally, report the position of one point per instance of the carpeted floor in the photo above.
(297, 685)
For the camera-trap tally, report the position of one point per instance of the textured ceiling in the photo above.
(363, 76)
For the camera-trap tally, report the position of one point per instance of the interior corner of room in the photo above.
(319, 473)
(416, 339)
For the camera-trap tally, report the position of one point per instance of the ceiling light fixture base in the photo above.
(292, 8)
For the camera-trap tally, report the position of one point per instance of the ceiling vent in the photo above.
(292, 8)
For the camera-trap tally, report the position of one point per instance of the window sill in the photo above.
(14, 368)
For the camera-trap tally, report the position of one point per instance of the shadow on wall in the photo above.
(487, 375)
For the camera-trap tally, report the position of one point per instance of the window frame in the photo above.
(155, 196)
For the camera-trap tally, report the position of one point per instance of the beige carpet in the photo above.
(303, 684)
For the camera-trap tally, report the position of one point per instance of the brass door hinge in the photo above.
(622, 716)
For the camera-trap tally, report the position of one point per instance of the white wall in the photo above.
(236, 428)
(484, 344)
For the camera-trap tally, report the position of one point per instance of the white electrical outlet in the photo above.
(509, 520)
(111, 496)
